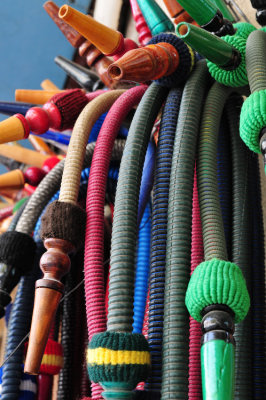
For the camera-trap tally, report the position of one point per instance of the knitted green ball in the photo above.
(118, 357)
(238, 76)
(217, 282)
(244, 29)
(253, 119)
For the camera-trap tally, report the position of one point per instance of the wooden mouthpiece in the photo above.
(22, 155)
(107, 40)
(74, 38)
(55, 263)
(35, 96)
(147, 63)
(12, 180)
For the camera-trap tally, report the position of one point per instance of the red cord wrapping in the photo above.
(94, 236)
(197, 256)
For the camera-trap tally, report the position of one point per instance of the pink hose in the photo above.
(197, 256)
(94, 237)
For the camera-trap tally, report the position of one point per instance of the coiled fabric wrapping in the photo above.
(241, 246)
(258, 282)
(176, 318)
(121, 291)
(142, 270)
(159, 233)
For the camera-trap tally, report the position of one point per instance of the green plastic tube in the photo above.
(155, 18)
(218, 370)
(224, 9)
(202, 11)
(208, 45)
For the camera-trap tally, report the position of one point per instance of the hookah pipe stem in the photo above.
(46, 84)
(208, 16)
(94, 58)
(59, 113)
(88, 80)
(177, 12)
(11, 108)
(221, 5)
(210, 46)
(156, 19)
(147, 63)
(55, 262)
(35, 96)
(260, 5)
(23, 155)
(141, 26)
(109, 41)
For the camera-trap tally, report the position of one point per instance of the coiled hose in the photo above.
(21, 317)
(197, 256)
(121, 291)
(241, 246)
(177, 271)
(224, 170)
(94, 236)
(142, 270)
(255, 61)
(258, 282)
(159, 233)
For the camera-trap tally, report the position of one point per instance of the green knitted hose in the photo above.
(236, 77)
(210, 210)
(253, 113)
(121, 286)
(241, 248)
(176, 318)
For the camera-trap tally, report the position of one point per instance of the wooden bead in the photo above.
(34, 175)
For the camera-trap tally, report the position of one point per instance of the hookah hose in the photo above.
(119, 339)
(258, 282)
(222, 280)
(241, 247)
(176, 321)
(159, 232)
(93, 263)
(142, 270)
(197, 256)
(23, 303)
(224, 172)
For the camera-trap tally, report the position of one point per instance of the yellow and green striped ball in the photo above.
(118, 357)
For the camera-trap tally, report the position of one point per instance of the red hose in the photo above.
(94, 237)
(197, 256)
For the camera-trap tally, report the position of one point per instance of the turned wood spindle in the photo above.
(55, 263)
(94, 58)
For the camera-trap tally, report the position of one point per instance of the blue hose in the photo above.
(142, 270)
(159, 234)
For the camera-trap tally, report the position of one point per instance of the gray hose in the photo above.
(177, 272)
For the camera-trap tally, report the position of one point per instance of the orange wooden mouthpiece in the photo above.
(12, 180)
(147, 63)
(177, 12)
(35, 96)
(40, 145)
(108, 41)
(23, 155)
(13, 129)
(93, 56)
(55, 263)
(47, 84)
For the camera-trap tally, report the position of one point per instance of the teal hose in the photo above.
(241, 247)
(213, 230)
(124, 236)
(176, 318)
